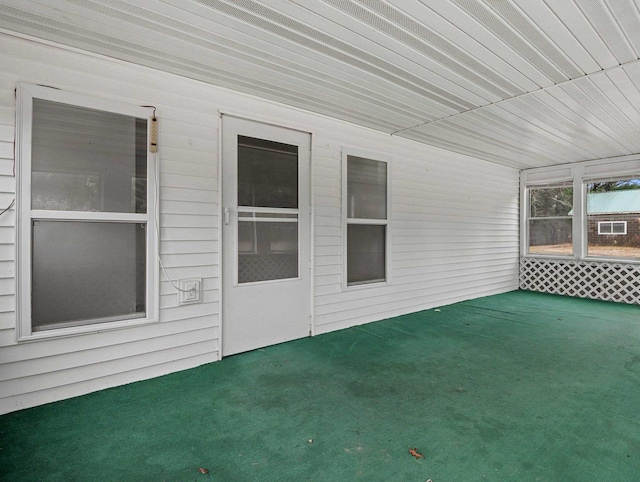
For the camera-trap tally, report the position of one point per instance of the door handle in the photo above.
(226, 215)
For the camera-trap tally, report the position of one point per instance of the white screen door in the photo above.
(265, 235)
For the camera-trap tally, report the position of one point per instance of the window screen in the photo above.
(613, 218)
(551, 220)
(366, 206)
(88, 216)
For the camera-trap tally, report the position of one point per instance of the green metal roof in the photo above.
(614, 202)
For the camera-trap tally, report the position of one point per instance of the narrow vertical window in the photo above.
(366, 220)
(551, 220)
(87, 233)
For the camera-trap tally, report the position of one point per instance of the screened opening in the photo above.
(366, 253)
(367, 188)
(551, 220)
(87, 272)
(268, 246)
(87, 160)
(267, 173)
(613, 218)
(366, 205)
(86, 225)
(267, 250)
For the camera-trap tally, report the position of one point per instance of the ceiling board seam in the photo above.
(601, 54)
(449, 146)
(615, 105)
(247, 57)
(503, 125)
(340, 50)
(585, 119)
(105, 40)
(542, 149)
(487, 45)
(456, 77)
(623, 32)
(542, 130)
(374, 10)
(596, 30)
(459, 133)
(503, 29)
(567, 119)
(252, 53)
(561, 32)
(635, 106)
(230, 78)
(587, 162)
(525, 94)
(541, 115)
(542, 34)
(601, 113)
(189, 70)
(505, 83)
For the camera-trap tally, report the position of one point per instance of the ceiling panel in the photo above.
(593, 117)
(523, 83)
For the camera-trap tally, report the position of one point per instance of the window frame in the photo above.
(25, 94)
(600, 223)
(346, 221)
(527, 211)
(585, 180)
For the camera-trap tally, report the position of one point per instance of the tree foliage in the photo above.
(556, 201)
(623, 185)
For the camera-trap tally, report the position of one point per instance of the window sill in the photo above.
(550, 256)
(612, 260)
(373, 284)
(585, 259)
(85, 330)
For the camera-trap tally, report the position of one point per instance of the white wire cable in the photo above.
(156, 169)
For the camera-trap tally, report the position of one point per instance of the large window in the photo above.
(613, 218)
(550, 221)
(87, 239)
(367, 212)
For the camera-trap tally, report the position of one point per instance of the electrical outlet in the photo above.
(192, 291)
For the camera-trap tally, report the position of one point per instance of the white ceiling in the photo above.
(524, 83)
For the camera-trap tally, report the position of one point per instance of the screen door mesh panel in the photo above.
(599, 281)
(267, 267)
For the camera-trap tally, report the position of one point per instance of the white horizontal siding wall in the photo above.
(454, 226)
(454, 229)
(38, 372)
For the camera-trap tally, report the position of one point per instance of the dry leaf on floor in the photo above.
(416, 454)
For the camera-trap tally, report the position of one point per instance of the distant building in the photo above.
(614, 218)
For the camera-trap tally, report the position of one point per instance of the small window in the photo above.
(367, 213)
(612, 227)
(550, 223)
(86, 225)
(613, 218)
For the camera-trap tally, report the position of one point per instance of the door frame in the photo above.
(286, 124)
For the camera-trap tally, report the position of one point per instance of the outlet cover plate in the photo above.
(193, 293)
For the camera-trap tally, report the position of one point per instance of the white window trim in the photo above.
(600, 223)
(25, 94)
(526, 212)
(350, 151)
(626, 167)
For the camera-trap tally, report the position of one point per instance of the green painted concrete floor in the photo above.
(515, 387)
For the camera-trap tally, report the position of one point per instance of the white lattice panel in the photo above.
(601, 281)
